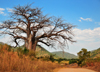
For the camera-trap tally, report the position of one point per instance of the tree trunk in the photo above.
(26, 44)
(32, 43)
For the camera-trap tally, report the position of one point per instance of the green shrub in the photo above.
(72, 61)
(59, 60)
(79, 62)
(25, 51)
(52, 58)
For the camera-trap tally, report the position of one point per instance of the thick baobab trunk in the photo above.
(26, 44)
(31, 45)
(34, 45)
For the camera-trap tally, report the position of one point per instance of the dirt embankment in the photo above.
(73, 70)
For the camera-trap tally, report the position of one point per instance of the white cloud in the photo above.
(87, 34)
(79, 20)
(97, 23)
(87, 38)
(86, 19)
(1, 11)
(9, 9)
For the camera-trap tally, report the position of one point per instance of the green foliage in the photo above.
(44, 58)
(61, 54)
(73, 61)
(47, 58)
(52, 58)
(59, 60)
(64, 59)
(42, 52)
(83, 55)
(25, 51)
(95, 53)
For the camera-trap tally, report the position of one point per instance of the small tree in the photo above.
(52, 57)
(83, 54)
(31, 26)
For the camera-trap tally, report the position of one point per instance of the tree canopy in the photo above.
(83, 55)
(30, 25)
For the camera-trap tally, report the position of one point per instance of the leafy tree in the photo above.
(30, 25)
(52, 58)
(59, 60)
(83, 54)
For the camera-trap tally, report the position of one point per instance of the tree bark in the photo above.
(26, 44)
(34, 45)
(31, 44)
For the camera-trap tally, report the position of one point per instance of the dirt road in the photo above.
(74, 70)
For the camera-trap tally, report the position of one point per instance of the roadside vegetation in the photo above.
(22, 61)
(86, 60)
(93, 64)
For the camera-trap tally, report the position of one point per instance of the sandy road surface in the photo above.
(74, 70)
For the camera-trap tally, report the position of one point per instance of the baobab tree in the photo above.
(30, 25)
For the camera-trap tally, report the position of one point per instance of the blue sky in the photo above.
(85, 14)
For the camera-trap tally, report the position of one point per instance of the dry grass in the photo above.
(10, 62)
(64, 62)
(93, 64)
